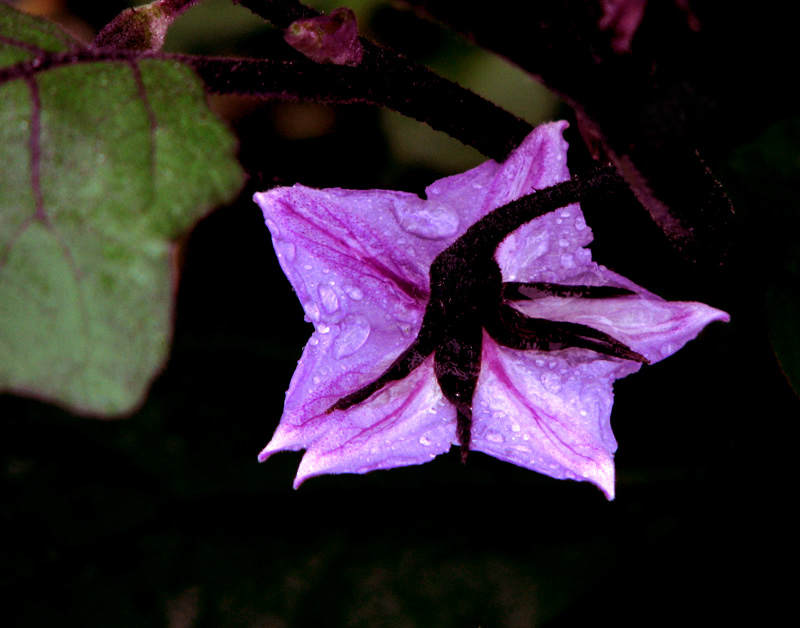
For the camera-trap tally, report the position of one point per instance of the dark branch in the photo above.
(485, 236)
(386, 78)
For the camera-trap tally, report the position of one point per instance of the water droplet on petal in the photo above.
(567, 261)
(495, 437)
(323, 328)
(286, 250)
(580, 223)
(273, 228)
(551, 381)
(354, 293)
(425, 441)
(354, 333)
(515, 427)
(328, 298)
(312, 311)
(563, 243)
(426, 219)
(668, 349)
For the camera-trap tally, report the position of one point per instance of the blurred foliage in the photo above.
(104, 172)
(764, 178)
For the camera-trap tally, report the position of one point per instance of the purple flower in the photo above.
(360, 261)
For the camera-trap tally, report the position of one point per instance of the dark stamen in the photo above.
(406, 362)
(511, 328)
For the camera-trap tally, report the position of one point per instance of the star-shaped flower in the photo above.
(360, 262)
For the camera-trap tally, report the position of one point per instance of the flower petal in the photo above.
(549, 412)
(646, 323)
(408, 422)
(360, 285)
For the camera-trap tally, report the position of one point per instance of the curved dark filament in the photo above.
(423, 345)
(511, 328)
(457, 365)
(406, 362)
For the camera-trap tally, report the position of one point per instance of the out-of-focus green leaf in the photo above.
(764, 178)
(104, 165)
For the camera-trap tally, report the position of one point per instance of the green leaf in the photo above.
(764, 179)
(105, 164)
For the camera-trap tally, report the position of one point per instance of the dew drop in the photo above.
(580, 223)
(495, 437)
(425, 441)
(354, 333)
(427, 220)
(273, 228)
(354, 293)
(515, 428)
(328, 298)
(551, 381)
(313, 341)
(323, 328)
(563, 243)
(567, 261)
(286, 250)
(312, 311)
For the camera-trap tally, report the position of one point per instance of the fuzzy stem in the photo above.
(387, 78)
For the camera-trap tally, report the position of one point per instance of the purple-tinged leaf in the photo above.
(359, 262)
(106, 164)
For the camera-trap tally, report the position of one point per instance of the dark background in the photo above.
(165, 518)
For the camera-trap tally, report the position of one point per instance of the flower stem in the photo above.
(387, 78)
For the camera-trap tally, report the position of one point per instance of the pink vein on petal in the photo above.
(408, 287)
(495, 364)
